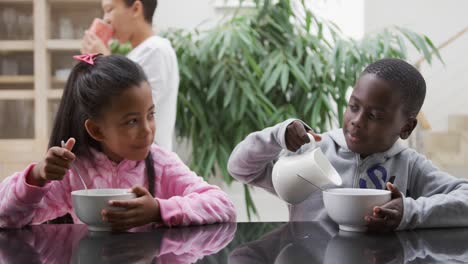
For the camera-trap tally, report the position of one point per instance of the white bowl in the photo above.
(348, 206)
(88, 205)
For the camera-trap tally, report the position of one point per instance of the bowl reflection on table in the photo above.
(362, 248)
(107, 247)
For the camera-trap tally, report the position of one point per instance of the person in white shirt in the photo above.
(132, 21)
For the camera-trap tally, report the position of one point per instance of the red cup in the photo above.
(101, 29)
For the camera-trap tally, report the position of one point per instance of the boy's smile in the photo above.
(374, 119)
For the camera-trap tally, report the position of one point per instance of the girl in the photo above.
(106, 116)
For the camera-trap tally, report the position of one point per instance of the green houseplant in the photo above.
(261, 67)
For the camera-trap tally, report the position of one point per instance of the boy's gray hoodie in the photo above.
(432, 198)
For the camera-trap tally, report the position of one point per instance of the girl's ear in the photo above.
(408, 128)
(94, 130)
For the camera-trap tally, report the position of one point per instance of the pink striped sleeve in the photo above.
(22, 204)
(185, 198)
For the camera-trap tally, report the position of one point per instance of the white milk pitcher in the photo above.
(296, 177)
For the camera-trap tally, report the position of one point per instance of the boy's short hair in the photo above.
(149, 6)
(405, 78)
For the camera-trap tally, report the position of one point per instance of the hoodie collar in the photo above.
(338, 136)
(102, 159)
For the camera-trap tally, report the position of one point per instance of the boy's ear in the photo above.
(94, 130)
(408, 128)
(137, 9)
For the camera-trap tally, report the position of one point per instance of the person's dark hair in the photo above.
(405, 78)
(149, 6)
(88, 92)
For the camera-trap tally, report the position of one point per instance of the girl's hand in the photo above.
(296, 135)
(93, 44)
(54, 166)
(139, 211)
(388, 216)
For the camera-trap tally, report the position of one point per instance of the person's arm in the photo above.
(41, 244)
(156, 69)
(160, 66)
(435, 198)
(22, 203)
(252, 160)
(17, 246)
(185, 198)
(435, 245)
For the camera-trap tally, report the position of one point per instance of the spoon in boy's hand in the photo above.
(73, 166)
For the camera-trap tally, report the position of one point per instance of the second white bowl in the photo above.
(348, 206)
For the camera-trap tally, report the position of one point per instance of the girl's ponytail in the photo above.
(150, 172)
(69, 120)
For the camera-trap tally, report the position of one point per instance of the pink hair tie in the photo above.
(88, 58)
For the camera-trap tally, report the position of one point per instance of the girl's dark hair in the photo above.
(88, 91)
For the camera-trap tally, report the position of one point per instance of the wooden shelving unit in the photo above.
(16, 1)
(55, 94)
(28, 99)
(63, 45)
(16, 45)
(16, 95)
(5, 79)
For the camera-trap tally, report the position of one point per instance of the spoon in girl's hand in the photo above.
(73, 166)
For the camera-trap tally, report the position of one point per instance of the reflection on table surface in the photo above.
(300, 242)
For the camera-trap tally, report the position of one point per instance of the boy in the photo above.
(383, 107)
(132, 21)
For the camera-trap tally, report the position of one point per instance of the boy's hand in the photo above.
(93, 44)
(388, 216)
(296, 135)
(54, 166)
(139, 211)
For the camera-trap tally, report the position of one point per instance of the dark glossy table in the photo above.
(307, 242)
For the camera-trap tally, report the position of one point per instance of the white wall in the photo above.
(190, 14)
(447, 86)
(183, 13)
(347, 14)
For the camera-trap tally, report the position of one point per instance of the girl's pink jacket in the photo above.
(184, 197)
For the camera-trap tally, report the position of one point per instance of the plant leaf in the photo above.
(284, 76)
